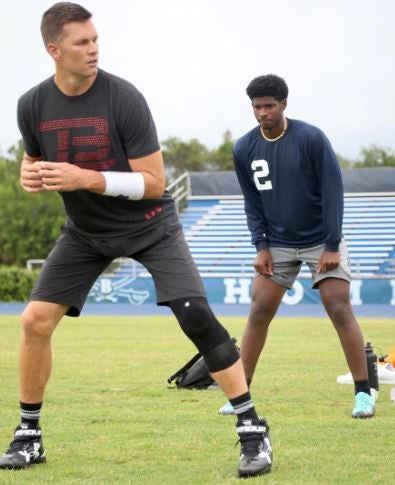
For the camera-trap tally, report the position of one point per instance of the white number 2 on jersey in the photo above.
(261, 170)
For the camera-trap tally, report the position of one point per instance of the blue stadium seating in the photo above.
(219, 239)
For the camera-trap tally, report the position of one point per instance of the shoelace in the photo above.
(250, 442)
(18, 445)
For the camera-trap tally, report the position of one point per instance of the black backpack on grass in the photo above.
(194, 375)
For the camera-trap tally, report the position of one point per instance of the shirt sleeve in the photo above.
(137, 126)
(256, 221)
(330, 179)
(26, 127)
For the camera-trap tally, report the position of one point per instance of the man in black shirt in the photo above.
(90, 136)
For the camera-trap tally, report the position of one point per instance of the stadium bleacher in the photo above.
(219, 239)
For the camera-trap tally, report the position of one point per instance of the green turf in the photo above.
(109, 416)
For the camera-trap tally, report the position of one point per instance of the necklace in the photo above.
(277, 137)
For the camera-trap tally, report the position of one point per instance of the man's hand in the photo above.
(60, 176)
(30, 179)
(328, 261)
(65, 177)
(263, 263)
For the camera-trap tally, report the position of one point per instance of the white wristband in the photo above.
(130, 185)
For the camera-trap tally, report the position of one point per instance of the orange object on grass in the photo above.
(391, 357)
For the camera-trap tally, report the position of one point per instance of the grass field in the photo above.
(109, 416)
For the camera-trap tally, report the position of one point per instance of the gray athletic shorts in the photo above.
(75, 263)
(288, 261)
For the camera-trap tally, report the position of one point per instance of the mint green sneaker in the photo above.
(226, 410)
(364, 406)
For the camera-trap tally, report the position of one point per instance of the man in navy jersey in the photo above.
(90, 136)
(293, 195)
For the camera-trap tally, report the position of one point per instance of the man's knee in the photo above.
(261, 312)
(336, 298)
(266, 298)
(222, 357)
(199, 323)
(259, 317)
(339, 311)
(39, 320)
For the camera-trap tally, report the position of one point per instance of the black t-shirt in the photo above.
(98, 130)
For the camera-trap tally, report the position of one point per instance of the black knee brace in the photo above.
(222, 356)
(199, 323)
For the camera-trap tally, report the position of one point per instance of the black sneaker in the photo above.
(256, 454)
(25, 449)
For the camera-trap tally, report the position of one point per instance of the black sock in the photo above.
(30, 413)
(244, 407)
(362, 386)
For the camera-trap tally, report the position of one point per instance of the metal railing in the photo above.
(180, 189)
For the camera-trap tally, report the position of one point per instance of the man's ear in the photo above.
(53, 51)
(284, 103)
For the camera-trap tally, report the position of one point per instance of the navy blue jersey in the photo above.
(293, 189)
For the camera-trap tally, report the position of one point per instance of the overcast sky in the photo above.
(193, 59)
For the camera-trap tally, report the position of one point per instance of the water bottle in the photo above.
(371, 361)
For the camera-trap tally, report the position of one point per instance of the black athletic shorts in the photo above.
(76, 261)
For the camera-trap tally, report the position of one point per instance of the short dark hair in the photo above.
(58, 15)
(268, 85)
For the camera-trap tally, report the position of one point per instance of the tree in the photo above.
(221, 158)
(180, 156)
(16, 151)
(29, 223)
(375, 156)
(193, 156)
(345, 162)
